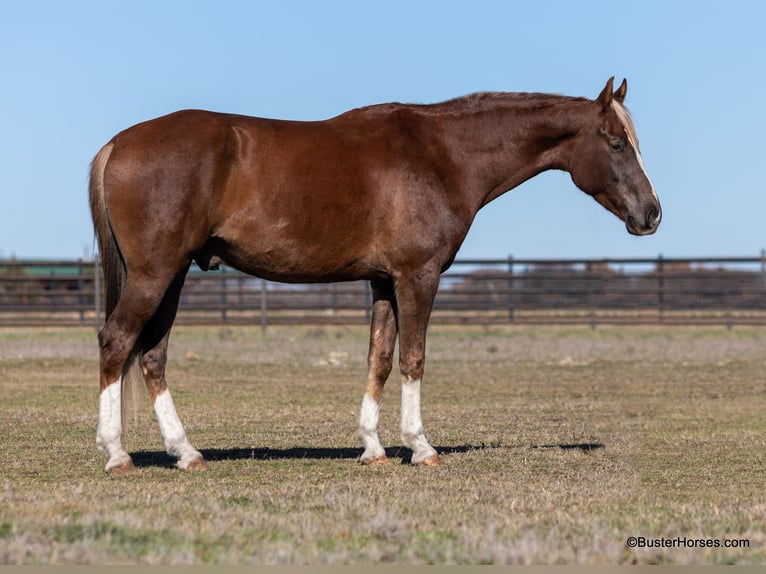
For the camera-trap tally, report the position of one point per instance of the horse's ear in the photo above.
(619, 95)
(606, 95)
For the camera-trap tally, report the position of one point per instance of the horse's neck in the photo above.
(502, 147)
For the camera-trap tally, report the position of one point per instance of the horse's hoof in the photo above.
(123, 468)
(432, 460)
(377, 461)
(196, 465)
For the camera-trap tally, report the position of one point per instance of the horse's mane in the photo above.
(624, 115)
(483, 100)
(479, 101)
(534, 100)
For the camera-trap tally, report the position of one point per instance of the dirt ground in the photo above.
(559, 445)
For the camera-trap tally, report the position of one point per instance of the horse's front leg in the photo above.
(379, 363)
(415, 295)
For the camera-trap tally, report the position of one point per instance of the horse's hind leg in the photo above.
(379, 362)
(117, 339)
(154, 340)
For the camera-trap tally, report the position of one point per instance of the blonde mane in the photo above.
(624, 115)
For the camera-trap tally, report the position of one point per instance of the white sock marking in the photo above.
(109, 431)
(369, 414)
(173, 434)
(411, 423)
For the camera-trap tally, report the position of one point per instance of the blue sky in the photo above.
(74, 73)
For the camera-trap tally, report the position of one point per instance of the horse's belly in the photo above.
(293, 262)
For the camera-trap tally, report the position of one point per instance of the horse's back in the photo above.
(292, 201)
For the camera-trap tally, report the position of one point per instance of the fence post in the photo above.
(223, 293)
(511, 310)
(80, 295)
(97, 289)
(368, 300)
(660, 286)
(264, 312)
(590, 282)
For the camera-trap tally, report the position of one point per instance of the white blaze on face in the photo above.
(630, 130)
(641, 164)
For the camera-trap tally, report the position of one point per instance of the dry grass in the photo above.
(558, 445)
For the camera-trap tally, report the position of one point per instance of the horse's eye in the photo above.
(617, 145)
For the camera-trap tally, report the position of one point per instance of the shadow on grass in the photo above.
(583, 446)
(162, 459)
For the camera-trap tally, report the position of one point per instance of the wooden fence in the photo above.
(725, 290)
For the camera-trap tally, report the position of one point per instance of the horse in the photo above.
(384, 193)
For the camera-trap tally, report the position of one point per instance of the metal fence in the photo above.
(724, 290)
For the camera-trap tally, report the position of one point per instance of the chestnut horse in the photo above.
(384, 193)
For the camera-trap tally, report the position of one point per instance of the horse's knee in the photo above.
(381, 363)
(412, 367)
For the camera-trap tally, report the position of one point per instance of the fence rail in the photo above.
(713, 290)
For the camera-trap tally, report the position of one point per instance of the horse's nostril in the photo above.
(646, 225)
(652, 216)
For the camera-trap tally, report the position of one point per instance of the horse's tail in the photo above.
(112, 266)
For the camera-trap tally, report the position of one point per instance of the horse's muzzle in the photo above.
(647, 223)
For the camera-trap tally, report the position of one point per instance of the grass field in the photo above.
(558, 445)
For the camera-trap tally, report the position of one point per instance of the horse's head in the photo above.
(607, 164)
